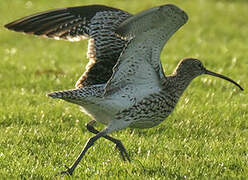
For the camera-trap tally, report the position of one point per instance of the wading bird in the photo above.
(124, 84)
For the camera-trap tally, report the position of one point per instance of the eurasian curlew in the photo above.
(124, 84)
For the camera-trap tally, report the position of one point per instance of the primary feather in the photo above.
(96, 22)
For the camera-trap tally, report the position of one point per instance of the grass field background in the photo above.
(206, 137)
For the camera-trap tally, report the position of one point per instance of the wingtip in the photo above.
(179, 10)
(8, 26)
(53, 95)
(13, 26)
(136, 24)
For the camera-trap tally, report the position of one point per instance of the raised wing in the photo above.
(96, 22)
(138, 70)
(67, 23)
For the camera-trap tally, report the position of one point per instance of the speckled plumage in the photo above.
(104, 47)
(138, 94)
(129, 85)
(96, 22)
(135, 93)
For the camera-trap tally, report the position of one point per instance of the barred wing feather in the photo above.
(138, 70)
(96, 22)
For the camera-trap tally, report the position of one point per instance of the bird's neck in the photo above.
(177, 84)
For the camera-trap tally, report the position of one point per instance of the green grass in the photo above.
(206, 137)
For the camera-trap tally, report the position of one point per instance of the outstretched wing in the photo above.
(138, 70)
(96, 22)
(68, 23)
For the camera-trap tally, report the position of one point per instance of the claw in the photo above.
(68, 171)
(123, 152)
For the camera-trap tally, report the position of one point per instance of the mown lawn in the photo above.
(206, 137)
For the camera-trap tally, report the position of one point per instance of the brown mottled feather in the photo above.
(96, 22)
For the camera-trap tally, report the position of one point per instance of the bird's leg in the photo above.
(117, 142)
(89, 143)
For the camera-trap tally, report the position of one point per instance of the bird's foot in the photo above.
(68, 171)
(122, 151)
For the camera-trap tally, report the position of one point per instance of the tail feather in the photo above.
(61, 94)
(74, 96)
(80, 94)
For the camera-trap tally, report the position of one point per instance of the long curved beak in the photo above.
(223, 77)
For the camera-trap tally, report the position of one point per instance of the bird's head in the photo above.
(191, 68)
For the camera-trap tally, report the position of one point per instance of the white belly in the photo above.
(105, 110)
